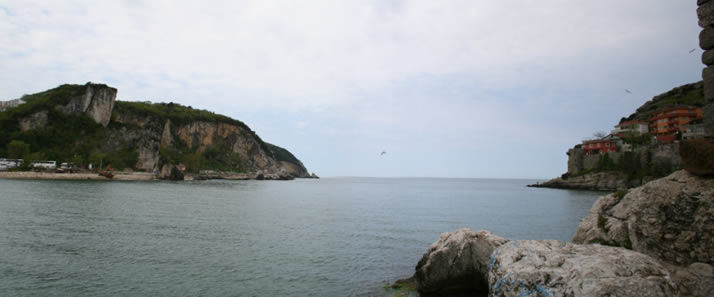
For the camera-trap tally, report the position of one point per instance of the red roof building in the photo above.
(604, 145)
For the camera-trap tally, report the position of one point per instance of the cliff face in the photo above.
(97, 102)
(142, 136)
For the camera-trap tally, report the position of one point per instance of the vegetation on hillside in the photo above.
(282, 154)
(689, 94)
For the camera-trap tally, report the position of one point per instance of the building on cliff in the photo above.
(631, 127)
(4, 105)
(667, 123)
(603, 145)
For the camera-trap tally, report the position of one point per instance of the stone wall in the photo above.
(578, 161)
(666, 155)
(705, 12)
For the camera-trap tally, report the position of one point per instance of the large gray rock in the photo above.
(705, 12)
(555, 268)
(457, 264)
(706, 38)
(708, 57)
(694, 280)
(670, 219)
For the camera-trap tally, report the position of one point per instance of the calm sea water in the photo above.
(328, 237)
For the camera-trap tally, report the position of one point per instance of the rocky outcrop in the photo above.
(556, 268)
(601, 181)
(204, 135)
(34, 121)
(671, 219)
(97, 102)
(457, 263)
(694, 280)
(171, 172)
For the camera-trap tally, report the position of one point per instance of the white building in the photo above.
(633, 127)
(4, 105)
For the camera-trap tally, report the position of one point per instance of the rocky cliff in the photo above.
(85, 124)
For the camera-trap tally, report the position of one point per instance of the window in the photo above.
(607, 144)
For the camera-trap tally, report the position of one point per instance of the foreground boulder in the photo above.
(457, 264)
(698, 156)
(670, 219)
(556, 268)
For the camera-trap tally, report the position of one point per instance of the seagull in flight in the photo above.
(628, 91)
(694, 49)
(382, 153)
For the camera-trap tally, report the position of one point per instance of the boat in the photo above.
(106, 174)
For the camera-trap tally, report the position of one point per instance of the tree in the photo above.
(599, 134)
(17, 149)
(192, 161)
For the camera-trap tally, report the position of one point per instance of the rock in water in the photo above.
(457, 264)
(670, 219)
(555, 268)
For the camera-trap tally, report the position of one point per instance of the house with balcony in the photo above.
(667, 123)
(632, 128)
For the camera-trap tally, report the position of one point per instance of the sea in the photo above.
(306, 237)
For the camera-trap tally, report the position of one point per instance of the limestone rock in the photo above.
(556, 268)
(97, 102)
(457, 263)
(34, 121)
(166, 137)
(694, 280)
(670, 219)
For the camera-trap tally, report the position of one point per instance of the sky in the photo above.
(473, 88)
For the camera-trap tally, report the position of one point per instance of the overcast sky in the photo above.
(470, 88)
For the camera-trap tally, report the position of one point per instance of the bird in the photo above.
(382, 153)
(694, 49)
(628, 91)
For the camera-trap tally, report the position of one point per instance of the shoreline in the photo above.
(134, 176)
